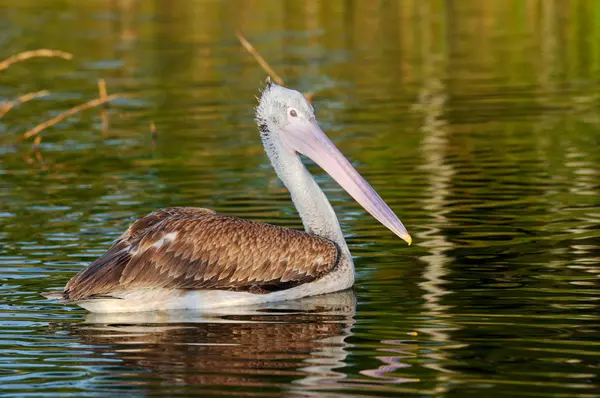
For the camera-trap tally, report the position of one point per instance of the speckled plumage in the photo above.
(207, 251)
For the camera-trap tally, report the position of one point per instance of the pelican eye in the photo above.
(293, 113)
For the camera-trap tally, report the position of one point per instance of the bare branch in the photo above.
(42, 52)
(261, 61)
(153, 134)
(103, 94)
(36, 143)
(7, 106)
(90, 104)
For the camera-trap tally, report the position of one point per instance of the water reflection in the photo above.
(432, 104)
(496, 170)
(301, 342)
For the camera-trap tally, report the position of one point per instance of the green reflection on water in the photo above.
(476, 121)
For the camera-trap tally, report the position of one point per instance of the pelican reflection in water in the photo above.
(194, 258)
(261, 346)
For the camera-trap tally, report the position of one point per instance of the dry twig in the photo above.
(103, 94)
(35, 147)
(36, 143)
(102, 88)
(261, 61)
(153, 134)
(40, 159)
(90, 104)
(8, 105)
(42, 52)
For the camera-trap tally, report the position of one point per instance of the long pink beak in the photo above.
(307, 138)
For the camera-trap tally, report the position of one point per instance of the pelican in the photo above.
(196, 258)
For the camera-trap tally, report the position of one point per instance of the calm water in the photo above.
(478, 122)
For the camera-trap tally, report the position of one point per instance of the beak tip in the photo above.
(407, 238)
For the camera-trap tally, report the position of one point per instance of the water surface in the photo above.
(476, 121)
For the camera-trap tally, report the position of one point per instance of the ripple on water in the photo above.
(489, 157)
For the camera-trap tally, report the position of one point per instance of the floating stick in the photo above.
(103, 94)
(8, 105)
(42, 52)
(153, 133)
(90, 104)
(261, 61)
(265, 65)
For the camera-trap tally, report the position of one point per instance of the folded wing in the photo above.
(193, 248)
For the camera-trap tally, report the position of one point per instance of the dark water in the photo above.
(478, 122)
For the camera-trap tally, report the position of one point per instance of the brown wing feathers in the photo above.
(189, 248)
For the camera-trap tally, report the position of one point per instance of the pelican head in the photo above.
(288, 119)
